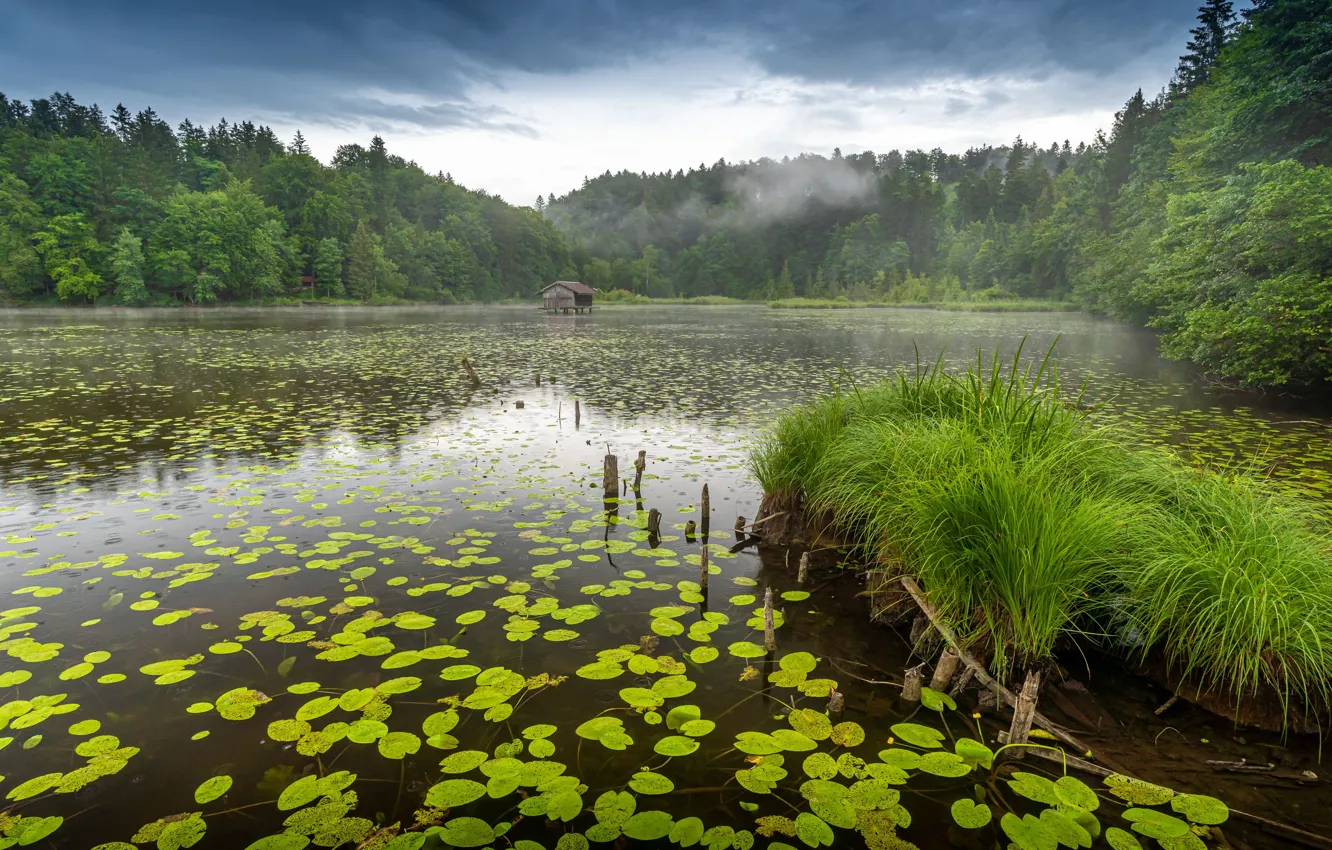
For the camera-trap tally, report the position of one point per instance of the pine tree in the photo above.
(298, 145)
(121, 120)
(540, 204)
(1216, 22)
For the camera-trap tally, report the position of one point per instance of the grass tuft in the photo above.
(1029, 524)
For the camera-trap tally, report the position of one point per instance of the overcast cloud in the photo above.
(525, 97)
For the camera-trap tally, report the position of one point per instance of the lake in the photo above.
(287, 570)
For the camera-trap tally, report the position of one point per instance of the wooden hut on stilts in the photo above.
(565, 295)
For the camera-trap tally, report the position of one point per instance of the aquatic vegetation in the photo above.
(1029, 525)
(341, 602)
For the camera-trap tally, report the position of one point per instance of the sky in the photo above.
(527, 98)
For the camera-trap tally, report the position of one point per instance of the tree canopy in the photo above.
(126, 210)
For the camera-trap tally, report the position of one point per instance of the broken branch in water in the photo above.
(981, 673)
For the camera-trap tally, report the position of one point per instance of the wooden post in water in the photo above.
(911, 683)
(706, 512)
(654, 523)
(538, 379)
(519, 404)
(739, 528)
(769, 626)
(1024, 712)
(610, 476)
(690, 526)
(639, 465)
(578, 413)
(703, 569)
(945, 669)
(802, 574)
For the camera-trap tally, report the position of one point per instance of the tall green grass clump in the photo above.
(1233, 582)
(1028, 524)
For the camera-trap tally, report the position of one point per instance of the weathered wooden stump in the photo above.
(703, 569)
(578, 413)
(945, 669)
(519, 405)
(705, 511)
(1024, 712)
(739, 528)
(911, 683)
(639, 465)
(690, 527)
(610, 476)
(654, 523)
(802, 574)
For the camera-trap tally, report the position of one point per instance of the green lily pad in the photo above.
(211, 789)
(969, 814)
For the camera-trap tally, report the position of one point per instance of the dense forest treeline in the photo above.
(122, 209)
(1205, 211)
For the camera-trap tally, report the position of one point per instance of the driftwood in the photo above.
(756, 523)
(981, 674)
(803, 573)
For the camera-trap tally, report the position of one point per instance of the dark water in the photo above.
(253, 495)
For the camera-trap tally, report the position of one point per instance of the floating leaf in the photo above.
(1121, 840)
(687, 832)
(936, 700)
(1154, 824)
(397, 745)
(1074, 793)
(648, 826)
(466, 832)
(970, 815)
(812, 830)
(1200, 808)
(1136, 791)
(454, 792)
(463, 761)
(918, 736)
(647, 782)
(746, 649)
(211, 789)
(847, 734)
(675, 745)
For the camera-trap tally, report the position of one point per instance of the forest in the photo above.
(122, 209)
(1202, 211)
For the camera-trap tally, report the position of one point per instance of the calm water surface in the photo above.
(277, 546)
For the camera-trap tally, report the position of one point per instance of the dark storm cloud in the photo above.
(409, 62)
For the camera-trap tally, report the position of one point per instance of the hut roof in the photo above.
(573, 286)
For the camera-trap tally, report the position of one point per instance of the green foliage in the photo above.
(231, 214)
